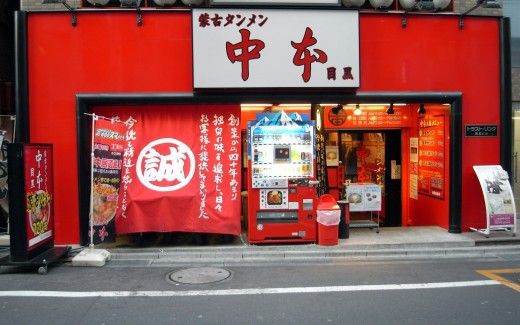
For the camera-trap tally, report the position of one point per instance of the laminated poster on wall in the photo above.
(498, 196)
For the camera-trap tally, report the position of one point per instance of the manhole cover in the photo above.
(199, 275)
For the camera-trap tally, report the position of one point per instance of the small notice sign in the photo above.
(481, 130)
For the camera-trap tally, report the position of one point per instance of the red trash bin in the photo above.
(328, 217)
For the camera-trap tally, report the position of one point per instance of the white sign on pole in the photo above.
(260, 48)
(498, 197)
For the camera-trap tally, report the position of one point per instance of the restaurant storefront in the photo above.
(396, 118)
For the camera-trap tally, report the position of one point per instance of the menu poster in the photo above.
(498, 196)
(332, 154)
(109, 143)
(364, 197)
(38, 195)
(431, 155)
(414, 167)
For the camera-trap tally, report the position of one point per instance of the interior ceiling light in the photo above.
(421, 109)
(336, 109)
(390, 109)
(357, 111)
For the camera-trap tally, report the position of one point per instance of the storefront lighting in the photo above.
(134, 4)
(74, 20)
(421, 109)
(357, 111)
(390, 109)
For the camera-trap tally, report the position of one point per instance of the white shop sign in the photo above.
(259, 48)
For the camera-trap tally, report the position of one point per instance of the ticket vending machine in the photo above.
(282, 193)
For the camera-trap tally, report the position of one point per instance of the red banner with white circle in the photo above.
(181, 169)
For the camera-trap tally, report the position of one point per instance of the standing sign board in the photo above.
(254, 48)
(364, 197)
(32, 214)
(498, 197)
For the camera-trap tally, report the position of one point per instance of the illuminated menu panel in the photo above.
(282, 151)
(431, 155)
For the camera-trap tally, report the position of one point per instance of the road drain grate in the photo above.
(199, 275)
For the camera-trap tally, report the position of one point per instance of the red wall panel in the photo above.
(105, 53)
(108, 53)
(433, 54)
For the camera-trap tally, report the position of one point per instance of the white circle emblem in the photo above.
(161, 165)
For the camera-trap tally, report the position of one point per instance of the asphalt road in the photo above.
(378, 292)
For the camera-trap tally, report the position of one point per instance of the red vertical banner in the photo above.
(109, 142)
(431, 155)
(38, 195)
(181, 170)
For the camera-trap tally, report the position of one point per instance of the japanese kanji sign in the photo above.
(38, 194)
(481, 130)
(181, 169)
(109, 142)
(431, 155)
(254, 48)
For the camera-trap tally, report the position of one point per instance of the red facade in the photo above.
(108, 53)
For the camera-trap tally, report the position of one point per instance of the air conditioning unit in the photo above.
(353, 3)
(130, 3)
(490, 3)
(193, 2)
(441, 4)
(163, 3)
(424, 4)
(381, 4)
(98, 2)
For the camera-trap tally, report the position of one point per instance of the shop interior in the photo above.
(402, 148)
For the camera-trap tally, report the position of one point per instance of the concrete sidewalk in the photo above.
(362, 244)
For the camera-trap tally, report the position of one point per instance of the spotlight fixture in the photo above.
(134, 4)
(357, 111)
(336, 109)
(390, 109)
(74, 19)
(421, 109)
